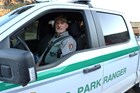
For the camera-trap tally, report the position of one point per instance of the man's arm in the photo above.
(68, 45)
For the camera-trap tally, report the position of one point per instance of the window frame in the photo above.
(61, 60)
(100, 31)
(85, 19)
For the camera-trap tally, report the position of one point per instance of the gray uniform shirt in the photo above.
(61, 48)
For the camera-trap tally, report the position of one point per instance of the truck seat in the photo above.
(74, 31)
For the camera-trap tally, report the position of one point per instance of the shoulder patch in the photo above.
(70, 47)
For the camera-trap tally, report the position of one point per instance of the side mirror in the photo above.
(17, 66)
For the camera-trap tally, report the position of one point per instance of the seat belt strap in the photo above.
(47, 49)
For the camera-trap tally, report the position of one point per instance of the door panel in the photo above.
(68, 78)
(119, 52)
(119, 68)
(71, 78)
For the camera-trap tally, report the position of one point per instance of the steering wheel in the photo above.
(21, 44)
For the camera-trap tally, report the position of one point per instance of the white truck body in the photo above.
(100, 68)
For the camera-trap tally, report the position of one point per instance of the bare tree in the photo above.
(13, 1)
(7, 2)
(20, 1)
(26, 1)
(29, 1)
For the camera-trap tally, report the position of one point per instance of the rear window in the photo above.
(114, 28)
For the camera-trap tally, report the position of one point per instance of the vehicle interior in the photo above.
(35, 36)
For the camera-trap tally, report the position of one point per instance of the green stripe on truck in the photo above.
(74, 67)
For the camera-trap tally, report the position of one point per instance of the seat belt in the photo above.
(47, 49)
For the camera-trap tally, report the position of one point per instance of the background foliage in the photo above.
(9, 5)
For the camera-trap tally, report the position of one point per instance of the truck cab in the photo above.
(106, 59)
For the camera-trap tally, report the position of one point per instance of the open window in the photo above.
(76, 29)
(35, 35)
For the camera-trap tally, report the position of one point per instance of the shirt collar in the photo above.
(62, 34)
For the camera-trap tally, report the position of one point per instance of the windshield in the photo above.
(4, 19)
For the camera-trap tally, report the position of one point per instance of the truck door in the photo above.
(77, 72)
(120, 53)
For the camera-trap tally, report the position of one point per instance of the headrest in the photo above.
(74, 29)
(49, 29)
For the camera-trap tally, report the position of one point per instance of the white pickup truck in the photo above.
(106, 59)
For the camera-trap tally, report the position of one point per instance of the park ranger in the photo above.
(62, 42)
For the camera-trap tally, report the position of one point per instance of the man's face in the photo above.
(60, 26)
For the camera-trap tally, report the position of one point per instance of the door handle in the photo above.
(88, 70)
(133, 54)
